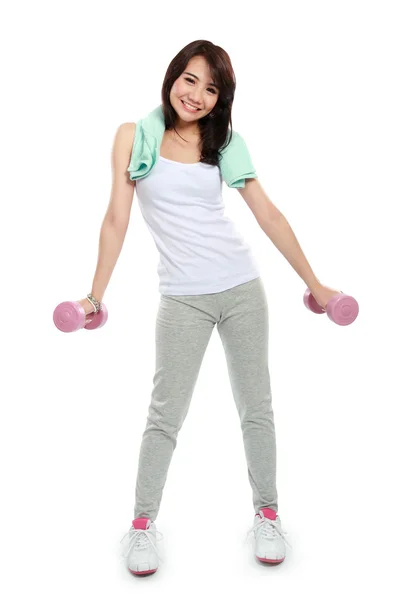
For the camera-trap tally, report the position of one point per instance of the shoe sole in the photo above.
(271, 561)
(142, 572)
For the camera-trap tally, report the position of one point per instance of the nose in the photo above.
(195, 98)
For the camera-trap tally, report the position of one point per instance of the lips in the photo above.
(190, 106)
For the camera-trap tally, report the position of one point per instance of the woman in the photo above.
(208, 277)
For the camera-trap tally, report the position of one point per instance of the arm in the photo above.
(116, 220)
(276, 227)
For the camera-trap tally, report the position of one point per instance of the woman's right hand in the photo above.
(88, 307)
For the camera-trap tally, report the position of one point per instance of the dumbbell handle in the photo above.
(324, 309)
(89, 318)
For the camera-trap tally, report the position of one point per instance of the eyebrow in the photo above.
(195, 76)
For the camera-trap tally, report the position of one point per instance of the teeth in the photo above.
(189, 105)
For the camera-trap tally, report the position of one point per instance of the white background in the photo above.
(317, 102)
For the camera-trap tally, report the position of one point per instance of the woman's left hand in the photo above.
(323, 294)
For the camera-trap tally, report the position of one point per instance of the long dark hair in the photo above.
(214, 127)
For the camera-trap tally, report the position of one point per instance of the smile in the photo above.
(189, 107)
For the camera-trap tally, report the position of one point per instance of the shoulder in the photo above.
(122, 144)
(126, 132)
(124, 138)
(233, 140)
(235, 145)
(237, 138)
(236, 164)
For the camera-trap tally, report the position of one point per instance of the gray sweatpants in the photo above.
(184, 326)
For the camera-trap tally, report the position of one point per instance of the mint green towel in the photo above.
(235, 164)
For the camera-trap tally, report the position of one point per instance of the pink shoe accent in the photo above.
(274, 562)
(141, 523)
(142, 572)
(268, 513)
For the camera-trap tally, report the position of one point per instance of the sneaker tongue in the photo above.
(141, 523)
(268, 513)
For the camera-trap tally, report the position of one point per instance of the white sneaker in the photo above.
(141, 555)
(269, 537)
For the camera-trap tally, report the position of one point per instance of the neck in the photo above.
(189, 130)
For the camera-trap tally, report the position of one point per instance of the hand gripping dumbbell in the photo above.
(341, 309)
(71, 316)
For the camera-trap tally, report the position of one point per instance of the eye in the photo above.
(190, 80)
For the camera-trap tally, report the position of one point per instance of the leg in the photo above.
(243, 328)
(183, 329)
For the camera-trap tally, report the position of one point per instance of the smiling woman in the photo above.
(197, 96)
(181, 153)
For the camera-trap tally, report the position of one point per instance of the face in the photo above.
(196, 89)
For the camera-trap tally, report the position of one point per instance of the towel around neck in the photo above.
(235, 164)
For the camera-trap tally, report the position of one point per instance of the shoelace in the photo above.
(269, 529)
(140, 538)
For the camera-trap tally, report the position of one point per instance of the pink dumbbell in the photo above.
(71, 316)
(341, 309)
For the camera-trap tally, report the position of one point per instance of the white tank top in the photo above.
(201, 252)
